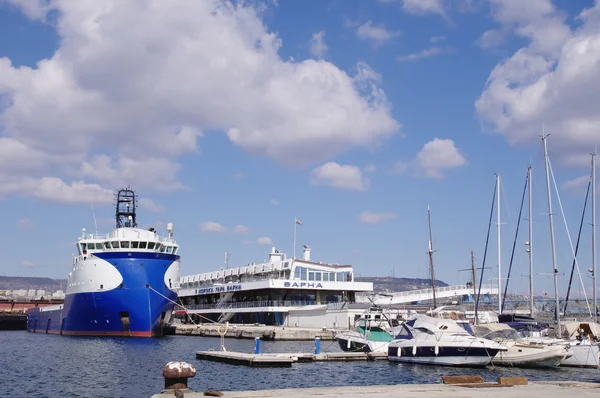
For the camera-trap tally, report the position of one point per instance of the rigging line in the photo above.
(180, 305)
(487, 240)
(569, 235)
(577, 247)
(512, 255)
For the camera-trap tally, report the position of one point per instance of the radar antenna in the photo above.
(125, 208)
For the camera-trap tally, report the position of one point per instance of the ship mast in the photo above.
(529, 243)
(430, 252)
(499, 251)
(125, 208)
(552, 240)
(595, 306)
(473, 275)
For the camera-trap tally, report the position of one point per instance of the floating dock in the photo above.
(280, 360)
(538, 389)
(269, 333)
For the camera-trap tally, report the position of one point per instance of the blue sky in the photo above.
(354, 116)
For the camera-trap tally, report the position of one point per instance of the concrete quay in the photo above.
(538, 389)
(271, 333)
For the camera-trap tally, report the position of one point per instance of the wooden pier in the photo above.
(284, 360)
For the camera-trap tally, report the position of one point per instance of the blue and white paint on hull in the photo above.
(122, 284)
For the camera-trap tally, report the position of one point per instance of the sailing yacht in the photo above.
(520, 353)
(435, 341)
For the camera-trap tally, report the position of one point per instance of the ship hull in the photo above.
(139, 306)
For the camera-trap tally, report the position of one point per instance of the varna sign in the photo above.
(303, 284)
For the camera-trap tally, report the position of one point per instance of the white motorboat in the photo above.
(435, 341)
(520, 353)
(372, 333)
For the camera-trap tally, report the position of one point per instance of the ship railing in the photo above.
(261, 303)
(441, 289)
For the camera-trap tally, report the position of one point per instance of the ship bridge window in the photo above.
(115, 244)
(107, 245)
(83, 247)
(169, 249)
(124, 244)
(151, 245)
(135, 245)
(162, 248)
(175, 250)
(92, 246)
(143, 245)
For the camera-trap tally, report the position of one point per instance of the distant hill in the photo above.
(31, 282)
(380, 284)
(391, 284)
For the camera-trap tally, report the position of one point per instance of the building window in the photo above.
(317, 276)
(332, 276)
(311, 276)
(325, 276)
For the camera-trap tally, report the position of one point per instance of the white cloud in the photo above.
(436, 157)
(136, 100)
(26, 264)
(553, 80)
(211, 226)
(339, 176)
(318, 47)
(151, 206)
(264, 240)
(274, 202)
(576, 183)
(25, 224)
(378, 34)
(370, 168)
(420, 7)
(375, 218)
(400, 167)
(425, 53)
(437, 39)
(240, 229)
(492, 38)
(238, 175)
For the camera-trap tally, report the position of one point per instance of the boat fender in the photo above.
(348, 343)
(414, 350)
(436, 350)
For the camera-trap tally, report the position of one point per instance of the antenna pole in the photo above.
(295, 225)
(529, 243)
(499, 251)
(431, 257)
(595, 317)
(552, 240)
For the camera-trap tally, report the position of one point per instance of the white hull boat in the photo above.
(433, 341)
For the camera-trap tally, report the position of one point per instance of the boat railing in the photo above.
(261, 303)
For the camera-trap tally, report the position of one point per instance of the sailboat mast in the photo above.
(499, 251)
(595, 317)
(552, 241)
(473, 275)
(431, 257)
(529, 243)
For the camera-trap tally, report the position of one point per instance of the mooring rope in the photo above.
(182, 306)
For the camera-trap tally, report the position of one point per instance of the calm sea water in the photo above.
(39, 365)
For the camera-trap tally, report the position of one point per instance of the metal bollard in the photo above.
(257, 345)
(176, 375)
(317, 345)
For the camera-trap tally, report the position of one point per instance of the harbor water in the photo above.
(39, 365)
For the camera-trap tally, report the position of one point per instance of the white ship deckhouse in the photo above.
(280, 291)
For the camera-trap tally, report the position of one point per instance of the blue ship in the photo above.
(122, 284)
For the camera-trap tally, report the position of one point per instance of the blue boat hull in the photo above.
(139, 307)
